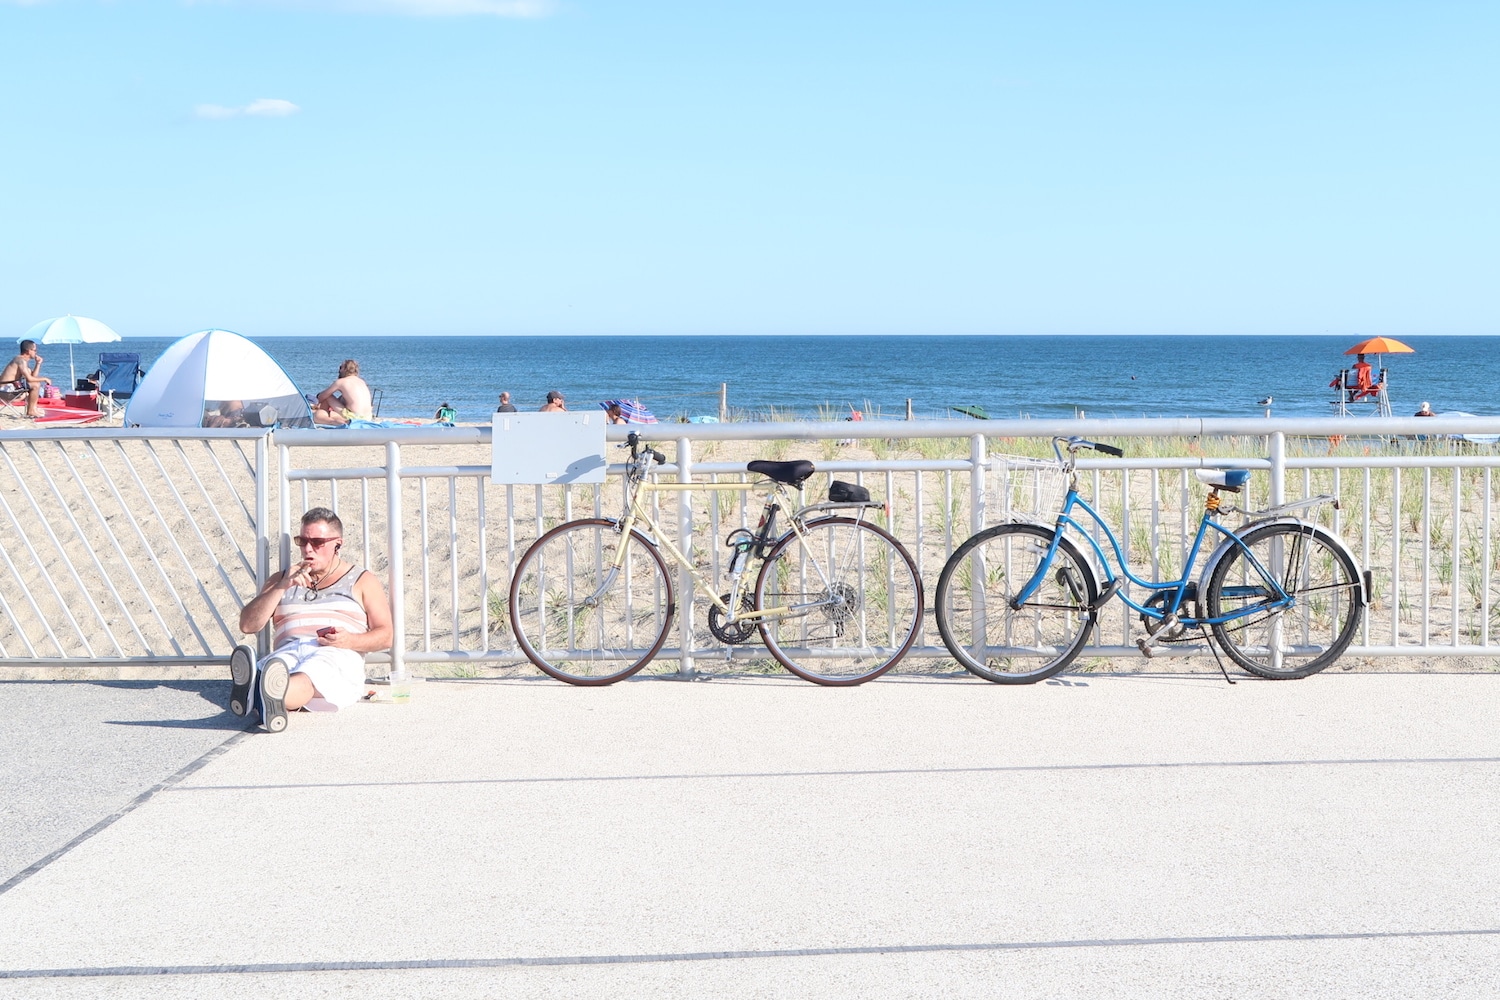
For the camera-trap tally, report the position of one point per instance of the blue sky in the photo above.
(596, 166)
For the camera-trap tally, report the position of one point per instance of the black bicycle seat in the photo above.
(789, 473)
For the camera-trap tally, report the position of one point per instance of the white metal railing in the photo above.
(1434, 599)
(139, 547)
(127, 547)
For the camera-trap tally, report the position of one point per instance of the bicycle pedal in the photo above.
(1144, 645)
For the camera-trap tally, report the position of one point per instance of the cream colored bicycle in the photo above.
(836, 599)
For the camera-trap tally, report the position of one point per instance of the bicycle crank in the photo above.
(735, 632)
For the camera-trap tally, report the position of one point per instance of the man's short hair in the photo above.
(349, 367)
(317, 514)
(27, 345)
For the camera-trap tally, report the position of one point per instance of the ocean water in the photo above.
(809, 377)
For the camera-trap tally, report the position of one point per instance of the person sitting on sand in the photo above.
(614, 415)
(506, 406)
(23, 373)
(1425, 411)
(325, 614)
(554, 403)
(231, 413)
(446, 415)
(348, 398)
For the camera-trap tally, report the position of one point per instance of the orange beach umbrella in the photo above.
(1381, 345)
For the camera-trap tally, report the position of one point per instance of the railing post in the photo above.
(284, 519)
(977, 462)
(685, 545)
(1278, 468)
(397, 560)
(262, 528)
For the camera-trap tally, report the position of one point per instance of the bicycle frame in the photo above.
(638, 510)
(1177, 589)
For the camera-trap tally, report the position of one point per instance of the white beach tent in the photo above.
(197, 375)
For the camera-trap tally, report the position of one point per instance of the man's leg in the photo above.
(282, 691)
(33, 390)
(299, 692)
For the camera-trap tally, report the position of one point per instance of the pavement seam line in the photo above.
(134, 804)
(263, 968)
(1009, 769)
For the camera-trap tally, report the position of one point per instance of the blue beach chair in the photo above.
(119, 374)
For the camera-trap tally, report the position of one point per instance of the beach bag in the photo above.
(50, 391)
(842, 492)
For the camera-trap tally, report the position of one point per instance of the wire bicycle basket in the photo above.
(1025, 489)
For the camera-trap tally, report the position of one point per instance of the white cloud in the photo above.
(448, 8)
(261, 107)
(414, 8)
(271, 107)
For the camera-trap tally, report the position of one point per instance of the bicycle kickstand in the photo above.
(1217, 658)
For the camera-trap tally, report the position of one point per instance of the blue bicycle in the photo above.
(1016, 603)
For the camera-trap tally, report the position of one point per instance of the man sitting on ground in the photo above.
(22, 374)
(554, 403)
(506, 406)
(325, 613)
(348, 398)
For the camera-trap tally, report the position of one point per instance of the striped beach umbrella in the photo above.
(632, 410)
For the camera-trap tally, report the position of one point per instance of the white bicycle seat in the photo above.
(1224, 479)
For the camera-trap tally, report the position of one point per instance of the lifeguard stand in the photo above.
(1355, 390)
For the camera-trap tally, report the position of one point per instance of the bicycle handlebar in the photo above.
(634, 442)
(1074, 444)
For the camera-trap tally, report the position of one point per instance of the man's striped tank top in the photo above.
(303, 611)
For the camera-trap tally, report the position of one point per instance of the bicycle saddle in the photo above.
(788, 473)
(1224, 479)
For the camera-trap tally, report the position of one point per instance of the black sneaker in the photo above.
(242, 679)
(274, 681)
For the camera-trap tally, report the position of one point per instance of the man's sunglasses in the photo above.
(317, 543)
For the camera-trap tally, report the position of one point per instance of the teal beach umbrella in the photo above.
(71, 330)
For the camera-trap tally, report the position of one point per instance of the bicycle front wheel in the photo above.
(1006, 644)
(586, 613)
(1295, 640)
(844, 601)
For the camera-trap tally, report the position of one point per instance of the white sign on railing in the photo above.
(540, 449)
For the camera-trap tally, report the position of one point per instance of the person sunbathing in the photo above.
(348, 398)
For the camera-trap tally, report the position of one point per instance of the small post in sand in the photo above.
(723, 402)
(908, 408)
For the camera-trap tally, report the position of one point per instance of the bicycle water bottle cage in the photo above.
(1224, 479)
(792, 474)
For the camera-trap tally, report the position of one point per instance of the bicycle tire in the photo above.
(587, 644)
(1321, 578)
(1009, 645)
(871, 601)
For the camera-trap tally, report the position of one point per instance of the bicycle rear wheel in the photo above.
(1314, 630)
(578, 619)
(1002, 643)
(857, 596)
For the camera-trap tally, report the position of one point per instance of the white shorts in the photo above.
(337, 675)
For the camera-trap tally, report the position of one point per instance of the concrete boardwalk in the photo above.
(1101, 836)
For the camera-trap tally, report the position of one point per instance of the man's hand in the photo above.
(334, 637)
(300, 576)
